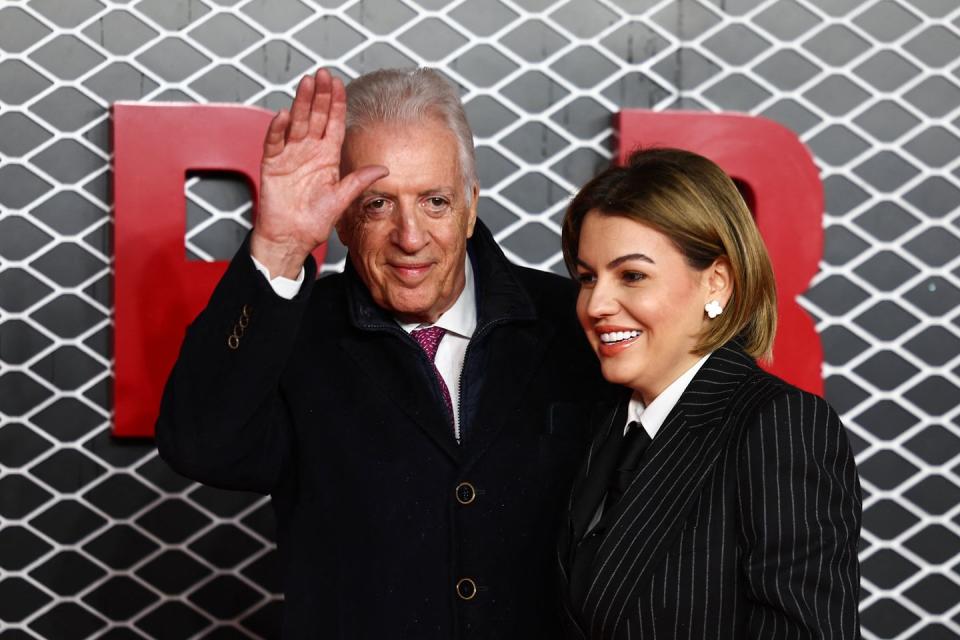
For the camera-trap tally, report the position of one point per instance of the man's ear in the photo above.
(472, 212)
(719, 280)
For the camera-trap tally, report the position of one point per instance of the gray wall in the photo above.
(100, 536)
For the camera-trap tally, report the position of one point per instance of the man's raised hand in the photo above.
(302, 194)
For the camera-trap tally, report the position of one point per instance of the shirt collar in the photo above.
(461, 318)
(652, 417)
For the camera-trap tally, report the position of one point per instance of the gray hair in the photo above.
(413, 95)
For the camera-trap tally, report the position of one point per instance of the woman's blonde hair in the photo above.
(693, 202)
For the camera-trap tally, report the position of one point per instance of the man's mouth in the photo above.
(411, 271)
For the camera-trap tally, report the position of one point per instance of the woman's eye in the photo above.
(586, 278)
(634, 276)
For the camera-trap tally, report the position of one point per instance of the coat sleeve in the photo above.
(800, 511)
(222, 419)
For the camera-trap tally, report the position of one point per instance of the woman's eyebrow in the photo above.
(616, 262)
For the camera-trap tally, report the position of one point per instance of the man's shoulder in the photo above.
(328, 292)
(329, 280)
(545, 284)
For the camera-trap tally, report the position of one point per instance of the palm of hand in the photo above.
(299, 189)
(302, 194)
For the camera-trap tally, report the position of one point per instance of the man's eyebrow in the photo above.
(434, 190)
(424, 192)
(616, 262)
(375, 192)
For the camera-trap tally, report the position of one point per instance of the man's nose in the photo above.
(409, 232)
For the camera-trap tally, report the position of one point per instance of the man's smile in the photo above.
(411, 273)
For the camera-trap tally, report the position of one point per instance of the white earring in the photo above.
(713, 309)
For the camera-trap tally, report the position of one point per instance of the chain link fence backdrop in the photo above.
(99, 537)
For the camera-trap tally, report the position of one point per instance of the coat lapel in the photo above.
(396, 366)
(643, 524)
(385, 357)
(513, 348)
(504, 340)
(507, 339)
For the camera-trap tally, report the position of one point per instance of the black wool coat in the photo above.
(329, 406)
(742, 520)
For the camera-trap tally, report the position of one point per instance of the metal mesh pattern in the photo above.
(98, 535)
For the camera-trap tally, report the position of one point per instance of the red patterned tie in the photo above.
(429, 340)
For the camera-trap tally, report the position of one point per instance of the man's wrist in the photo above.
(286, 288)
(280, 260)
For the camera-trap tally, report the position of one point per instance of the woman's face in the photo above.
(640, 302)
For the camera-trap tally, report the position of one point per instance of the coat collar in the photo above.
(704, 401)
(386, 353)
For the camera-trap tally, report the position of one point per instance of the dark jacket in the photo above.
(742, 520)
(329, 406)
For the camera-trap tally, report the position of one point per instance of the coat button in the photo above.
(466, 589)
(465, 493)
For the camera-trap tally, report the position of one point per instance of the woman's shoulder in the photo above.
(796, 437)
(793, 422)
(781, 394)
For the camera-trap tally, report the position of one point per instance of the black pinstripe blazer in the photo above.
(742, 521)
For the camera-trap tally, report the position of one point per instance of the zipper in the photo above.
(480, 333)
(477, 335)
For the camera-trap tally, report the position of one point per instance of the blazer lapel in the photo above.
(642, 525)
(590, 485)
(589, 488)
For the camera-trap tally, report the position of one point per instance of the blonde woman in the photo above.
(716, 501)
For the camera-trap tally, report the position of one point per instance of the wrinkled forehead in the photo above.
(425, 150)
(419, 121)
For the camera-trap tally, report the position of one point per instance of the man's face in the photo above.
(407, 234)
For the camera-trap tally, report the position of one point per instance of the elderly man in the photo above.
(409, 417)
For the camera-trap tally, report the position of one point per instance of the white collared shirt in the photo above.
(459, 322)
(652, 417)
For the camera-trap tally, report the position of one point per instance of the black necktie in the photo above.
(632, 446)
(634, 443)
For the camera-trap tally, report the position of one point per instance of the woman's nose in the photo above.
(602, 301)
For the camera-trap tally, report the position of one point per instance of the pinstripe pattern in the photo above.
(742, 521)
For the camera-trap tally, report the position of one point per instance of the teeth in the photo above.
(618, 336)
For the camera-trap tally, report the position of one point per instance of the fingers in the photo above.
(338, 112)
(300, 110)
(273, 142)
(320, 107)
(352, 185)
